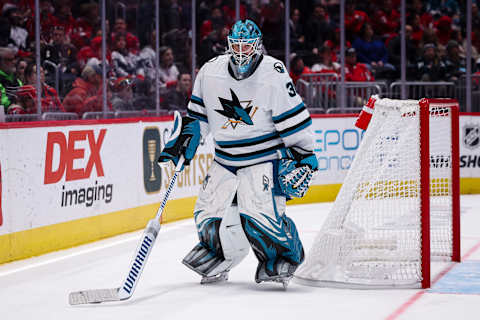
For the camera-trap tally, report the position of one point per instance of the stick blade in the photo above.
(93, 296)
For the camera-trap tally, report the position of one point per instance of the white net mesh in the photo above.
(440, 181)
(372, 236)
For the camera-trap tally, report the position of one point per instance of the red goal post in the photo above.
(399, 205)
(430, 108)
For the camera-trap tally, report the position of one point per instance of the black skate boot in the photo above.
(282, 272)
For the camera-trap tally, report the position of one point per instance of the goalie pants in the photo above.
(258, 220)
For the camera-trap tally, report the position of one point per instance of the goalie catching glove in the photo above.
(184, 140)
(296, 170)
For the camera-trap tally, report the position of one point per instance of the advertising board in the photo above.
(67, 183)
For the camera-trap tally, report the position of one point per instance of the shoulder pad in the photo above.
(213, 59)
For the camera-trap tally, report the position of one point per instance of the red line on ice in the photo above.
(420, 293)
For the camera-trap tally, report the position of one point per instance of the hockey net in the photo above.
(399, 204)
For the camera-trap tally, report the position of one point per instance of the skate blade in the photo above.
(280, 279)
(222, 277)
(285, 283)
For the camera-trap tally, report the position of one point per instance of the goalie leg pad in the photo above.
(235, 244)
(207, 256)
(223, 243)
(219, 251)
(272, 235)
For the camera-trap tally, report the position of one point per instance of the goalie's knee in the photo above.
(235, 244)
(223, 245)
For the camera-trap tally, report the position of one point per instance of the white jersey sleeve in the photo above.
(196, 107)
(290, 115)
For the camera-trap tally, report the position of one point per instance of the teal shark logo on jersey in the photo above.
(235, 112)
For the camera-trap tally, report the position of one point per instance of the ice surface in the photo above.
(38, 288)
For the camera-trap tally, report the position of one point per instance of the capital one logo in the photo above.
(68, 152)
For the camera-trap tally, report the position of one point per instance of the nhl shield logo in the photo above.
(471, 136)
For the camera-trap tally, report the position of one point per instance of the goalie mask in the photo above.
(244, 46)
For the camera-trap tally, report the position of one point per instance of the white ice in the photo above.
(38, 288)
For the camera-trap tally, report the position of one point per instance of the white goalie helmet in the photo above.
(244, 46)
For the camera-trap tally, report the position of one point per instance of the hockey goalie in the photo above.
(263, 154)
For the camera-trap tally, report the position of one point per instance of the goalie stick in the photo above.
(125, 291)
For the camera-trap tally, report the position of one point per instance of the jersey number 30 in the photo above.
(291, 89)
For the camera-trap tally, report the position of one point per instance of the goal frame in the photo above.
(317, 271)
(425, 182)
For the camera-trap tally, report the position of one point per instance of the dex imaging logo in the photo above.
(471, 136)
(73, 156)
(152, 173)
(69, 152)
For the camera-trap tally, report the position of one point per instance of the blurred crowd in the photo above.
(71, 47)
(435, 40)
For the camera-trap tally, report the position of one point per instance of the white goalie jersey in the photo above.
(250, 119)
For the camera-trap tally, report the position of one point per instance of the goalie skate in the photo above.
(284, 280)
(221, 277)
(283, 275)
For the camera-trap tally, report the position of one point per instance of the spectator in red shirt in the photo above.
(355, 71)
(444, 30)
(272, 25)
(213, 45)
(334, 45)
(120, 27)
(230, 14)
(85, 24)
(326, 65)
(215, 22)
(28, 93)
(85, 90)
(63, 18)
(425, 18)
(417, 28)
(298, 68)
(94, 50)
(386, 20)
(354, 20)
